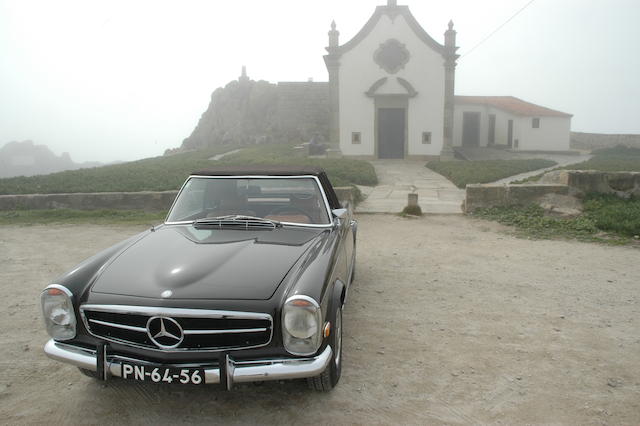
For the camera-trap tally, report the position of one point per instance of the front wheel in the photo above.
(331, 375)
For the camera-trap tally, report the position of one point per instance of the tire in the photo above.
(353, 265)
(330, 377)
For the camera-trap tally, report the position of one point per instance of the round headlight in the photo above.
(57, 310)
(301, 323)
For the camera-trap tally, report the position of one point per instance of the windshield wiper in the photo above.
(217, 220)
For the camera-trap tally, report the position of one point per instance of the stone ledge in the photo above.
(562, 182)
(623, 184)
(145, 200)
(491, 195)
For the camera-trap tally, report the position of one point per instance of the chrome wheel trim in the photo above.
(338, 331)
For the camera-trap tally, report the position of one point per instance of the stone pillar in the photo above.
(243, 77)
(333, 65)
(449, 91)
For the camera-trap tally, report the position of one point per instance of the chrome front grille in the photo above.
(201, 330)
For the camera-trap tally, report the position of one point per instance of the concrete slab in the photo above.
(399, 178)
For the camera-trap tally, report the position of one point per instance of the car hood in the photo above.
(206, 263)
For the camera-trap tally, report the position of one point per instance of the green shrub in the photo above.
(608, 214)
(412, 210)
(462, 173)
(613, 214)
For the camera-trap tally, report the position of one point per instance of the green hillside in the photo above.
(169, 172)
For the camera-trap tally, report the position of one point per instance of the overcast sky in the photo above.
(122, 80)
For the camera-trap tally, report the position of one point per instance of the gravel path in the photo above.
(450, 321)
(561, 160)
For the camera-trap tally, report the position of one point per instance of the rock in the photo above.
(560, 205)
(614, 382)
(558, 177)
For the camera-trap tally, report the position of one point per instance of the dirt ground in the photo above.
(450, 321)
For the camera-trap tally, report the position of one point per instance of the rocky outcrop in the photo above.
(27, 159)
(238, 114)
(246, 112)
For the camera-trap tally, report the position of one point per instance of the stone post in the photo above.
(449, 92)
(412, 199)
(333, 65)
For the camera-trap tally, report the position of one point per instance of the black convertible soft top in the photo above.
(276, 171)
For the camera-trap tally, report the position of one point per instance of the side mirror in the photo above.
(338, 217)
(339, 213)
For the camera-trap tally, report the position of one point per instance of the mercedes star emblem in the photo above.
(165, 332)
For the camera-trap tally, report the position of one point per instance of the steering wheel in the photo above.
(289, 209)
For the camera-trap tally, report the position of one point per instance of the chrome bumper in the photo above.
(235, 371)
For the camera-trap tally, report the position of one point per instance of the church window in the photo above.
(426, 138)
(392, 56)
(535, 123)
(355, 138)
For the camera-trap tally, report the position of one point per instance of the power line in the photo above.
(499, 28)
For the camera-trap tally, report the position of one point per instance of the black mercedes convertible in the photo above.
(244, 281)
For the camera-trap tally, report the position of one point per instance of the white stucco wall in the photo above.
(358, 71)
(554, 133)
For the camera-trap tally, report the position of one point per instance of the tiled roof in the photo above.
(512, 105)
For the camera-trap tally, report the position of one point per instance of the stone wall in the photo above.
(303, 109)
(560, 182)
(493, 195)
(623, 184)
(149, 201)
(591, 141)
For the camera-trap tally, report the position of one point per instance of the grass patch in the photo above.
(606, 218)
(613, 214)
(169, 172)
(62, 216)
(616, 159)
(462, 173)
(151, 174)
(161, 174)
(341, 171)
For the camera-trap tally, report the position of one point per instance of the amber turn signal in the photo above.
(301, 303)
(55, 292)
(327, 329)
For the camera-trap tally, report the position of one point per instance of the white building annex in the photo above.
(391, 95)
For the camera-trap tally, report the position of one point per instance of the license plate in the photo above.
(155, 374)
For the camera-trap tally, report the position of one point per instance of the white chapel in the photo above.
(391, 95)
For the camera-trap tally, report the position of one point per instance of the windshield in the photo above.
(287, 200)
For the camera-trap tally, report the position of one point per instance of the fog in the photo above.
(123, 80)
